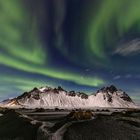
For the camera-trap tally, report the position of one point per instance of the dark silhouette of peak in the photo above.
(60, 88)
(110, 89)
(55, 90)
(82, 95)
(72, 93)
(35, 90)
(113, 88)
(25, 94)
(125, 97)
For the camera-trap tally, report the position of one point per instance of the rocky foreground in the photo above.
(114, 127)
(77, 125)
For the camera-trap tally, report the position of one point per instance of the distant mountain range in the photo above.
(47, 97)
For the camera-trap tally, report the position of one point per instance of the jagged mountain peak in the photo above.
(47, 97)
(110, 91)
(107, 89)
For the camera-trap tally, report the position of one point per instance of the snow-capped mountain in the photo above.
(47, 97)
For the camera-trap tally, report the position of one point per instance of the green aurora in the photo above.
(68, 41)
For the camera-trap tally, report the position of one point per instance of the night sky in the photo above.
(80, 45)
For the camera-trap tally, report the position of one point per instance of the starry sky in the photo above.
(80, 45)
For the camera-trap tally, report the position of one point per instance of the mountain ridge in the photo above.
(47, 97)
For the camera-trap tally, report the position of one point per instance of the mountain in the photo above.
(47, 97)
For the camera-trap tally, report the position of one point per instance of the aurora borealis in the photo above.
(77, 44)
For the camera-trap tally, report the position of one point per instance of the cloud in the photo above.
(117, 77)
(130, 48)
(127, 76)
